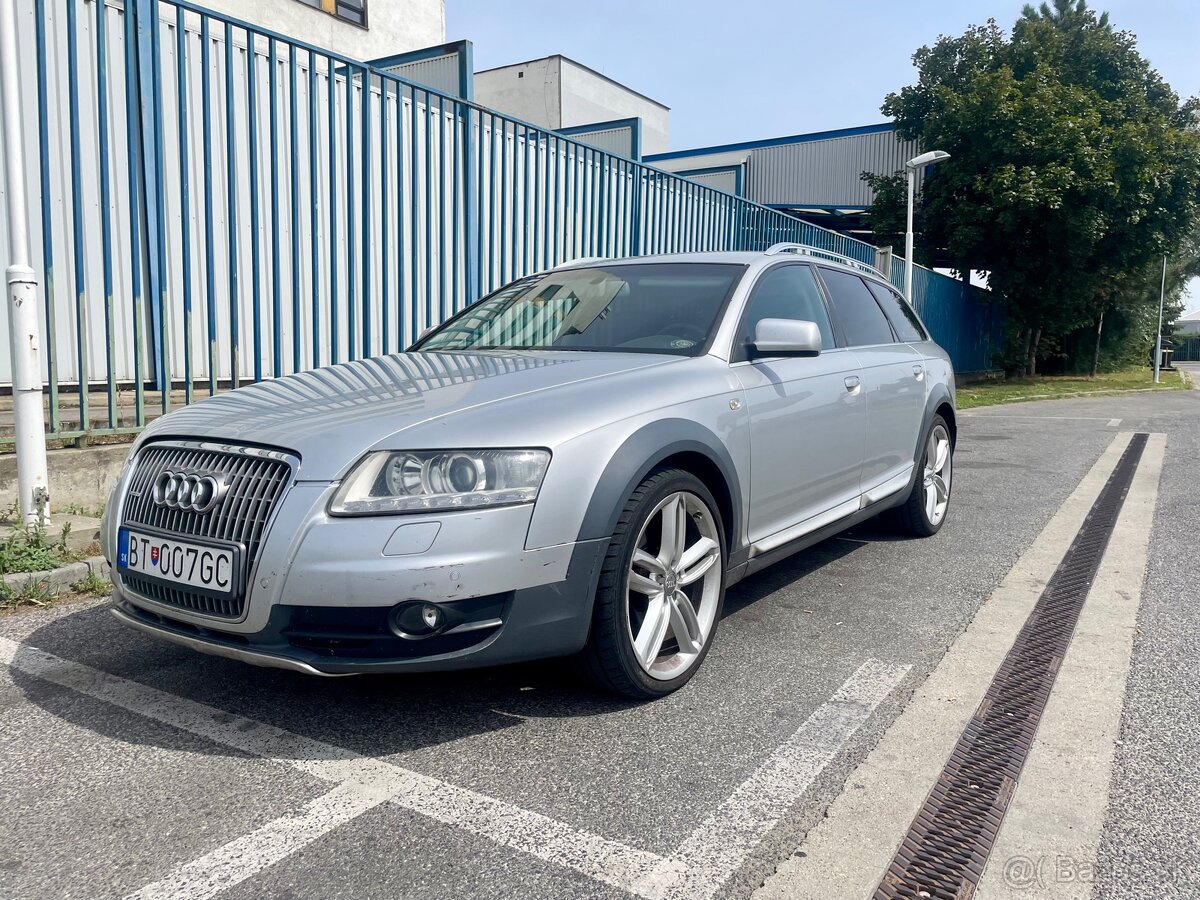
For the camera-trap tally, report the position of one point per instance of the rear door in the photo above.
(807, 414)
(893, 374)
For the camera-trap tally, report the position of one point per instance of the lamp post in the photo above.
(917, 162)
(1162, 295)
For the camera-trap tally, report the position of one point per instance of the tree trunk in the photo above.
(1035, 338)
(1096, 355)
(1028, 334)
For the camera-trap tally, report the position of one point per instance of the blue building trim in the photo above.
(466, 66)
(738, 169)
(634, 124)
(774, 142)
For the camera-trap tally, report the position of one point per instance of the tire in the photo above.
(919, 515)
(655, 589)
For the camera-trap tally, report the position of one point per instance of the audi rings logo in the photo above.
(189, 491)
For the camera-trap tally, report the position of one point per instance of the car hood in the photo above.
(330, 416)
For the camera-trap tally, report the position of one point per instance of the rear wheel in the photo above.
(924, 512)
(661, 588)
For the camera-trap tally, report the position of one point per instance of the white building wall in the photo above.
(528, 91)
(393, 26)
(590, 97)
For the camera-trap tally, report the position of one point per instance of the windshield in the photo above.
(641, 308)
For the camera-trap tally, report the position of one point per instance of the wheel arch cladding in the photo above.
(674, 443)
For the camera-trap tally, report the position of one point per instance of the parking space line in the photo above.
(611, 862)
(1110, 422)
(719, 846)
(246, 856)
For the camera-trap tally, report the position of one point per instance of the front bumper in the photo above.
(345, 638)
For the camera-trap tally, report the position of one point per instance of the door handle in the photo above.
(852, 383)
(919, 371)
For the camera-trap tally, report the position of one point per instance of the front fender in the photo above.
(640, 453)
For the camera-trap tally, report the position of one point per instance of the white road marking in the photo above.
(719, 846)
(608, 861)
(698, 869)
(240, 859)
(1113, 423)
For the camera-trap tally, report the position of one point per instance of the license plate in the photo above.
(180, 562)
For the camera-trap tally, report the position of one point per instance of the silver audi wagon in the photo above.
(578, 464)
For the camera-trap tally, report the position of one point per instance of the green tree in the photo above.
(1073, 164)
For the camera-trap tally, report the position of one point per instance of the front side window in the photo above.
(787, 292)
(903, 319)
(860, 317)
(641, 308)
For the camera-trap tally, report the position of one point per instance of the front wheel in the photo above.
(924, 512)
(661, 588)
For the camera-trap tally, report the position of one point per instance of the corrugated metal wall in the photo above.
(824, 172)
(619, 140)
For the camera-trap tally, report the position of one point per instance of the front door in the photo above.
(807, 415)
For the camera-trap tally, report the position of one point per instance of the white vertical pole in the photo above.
(908, 239)
(1162, 293)
(23, 317)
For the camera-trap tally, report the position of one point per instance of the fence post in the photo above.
(24, 326)
(147, 157)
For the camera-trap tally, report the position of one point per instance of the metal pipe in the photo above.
(24, 339)
(908, 238)
(1162, 294)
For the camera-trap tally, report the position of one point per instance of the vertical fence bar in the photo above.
(427, 168)
(331, 77)
(231, 205)
(351, 251)
(294, 200)
(455, 199)
(105, 207)
(405, 331)
(185, 202)
(255, 248)
(210, 271)
(441, 216)
(365, 143)
(385, 223)
(79, 248)
(150, 86)
(273, 138)
(314, 205)
(47, 211)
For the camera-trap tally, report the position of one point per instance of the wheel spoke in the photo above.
(674, 531)
(653, 632)
(940, 490)
(648, 562)
(643, 584)
(930, 502)
(697, 560)
(943, 454)
(684, 624)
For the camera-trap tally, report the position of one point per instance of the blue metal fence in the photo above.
(233, 205)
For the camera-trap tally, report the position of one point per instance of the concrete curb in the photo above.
(59, 579)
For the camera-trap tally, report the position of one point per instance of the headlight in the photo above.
(419, 480)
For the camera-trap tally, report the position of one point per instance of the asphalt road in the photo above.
(127, 763)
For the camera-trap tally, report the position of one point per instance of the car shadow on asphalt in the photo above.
(377, 715)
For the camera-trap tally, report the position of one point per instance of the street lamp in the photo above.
(917, 162)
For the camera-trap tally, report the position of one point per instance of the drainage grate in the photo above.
(943, 855)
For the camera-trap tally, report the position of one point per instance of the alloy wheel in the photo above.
(939, 466)
(673, 586)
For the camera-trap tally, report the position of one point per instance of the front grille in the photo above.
(257, 480)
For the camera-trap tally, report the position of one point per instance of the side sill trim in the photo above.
(889, 487)
(779, 538)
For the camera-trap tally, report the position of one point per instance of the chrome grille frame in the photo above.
(259, 478)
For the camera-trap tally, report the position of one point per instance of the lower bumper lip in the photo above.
(254, 657)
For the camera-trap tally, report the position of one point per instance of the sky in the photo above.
(736, 71)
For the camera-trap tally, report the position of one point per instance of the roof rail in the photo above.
(806, 250)
(580, 261)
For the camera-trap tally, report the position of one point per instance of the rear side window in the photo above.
(903, 319)
(788, 292)
(862, 321)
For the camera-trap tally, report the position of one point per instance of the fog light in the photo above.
(418, 620)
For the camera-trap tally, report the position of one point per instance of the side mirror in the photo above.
(786, 337)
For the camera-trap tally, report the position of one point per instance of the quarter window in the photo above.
(787, 292)
(901, 315)
(860, 317)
